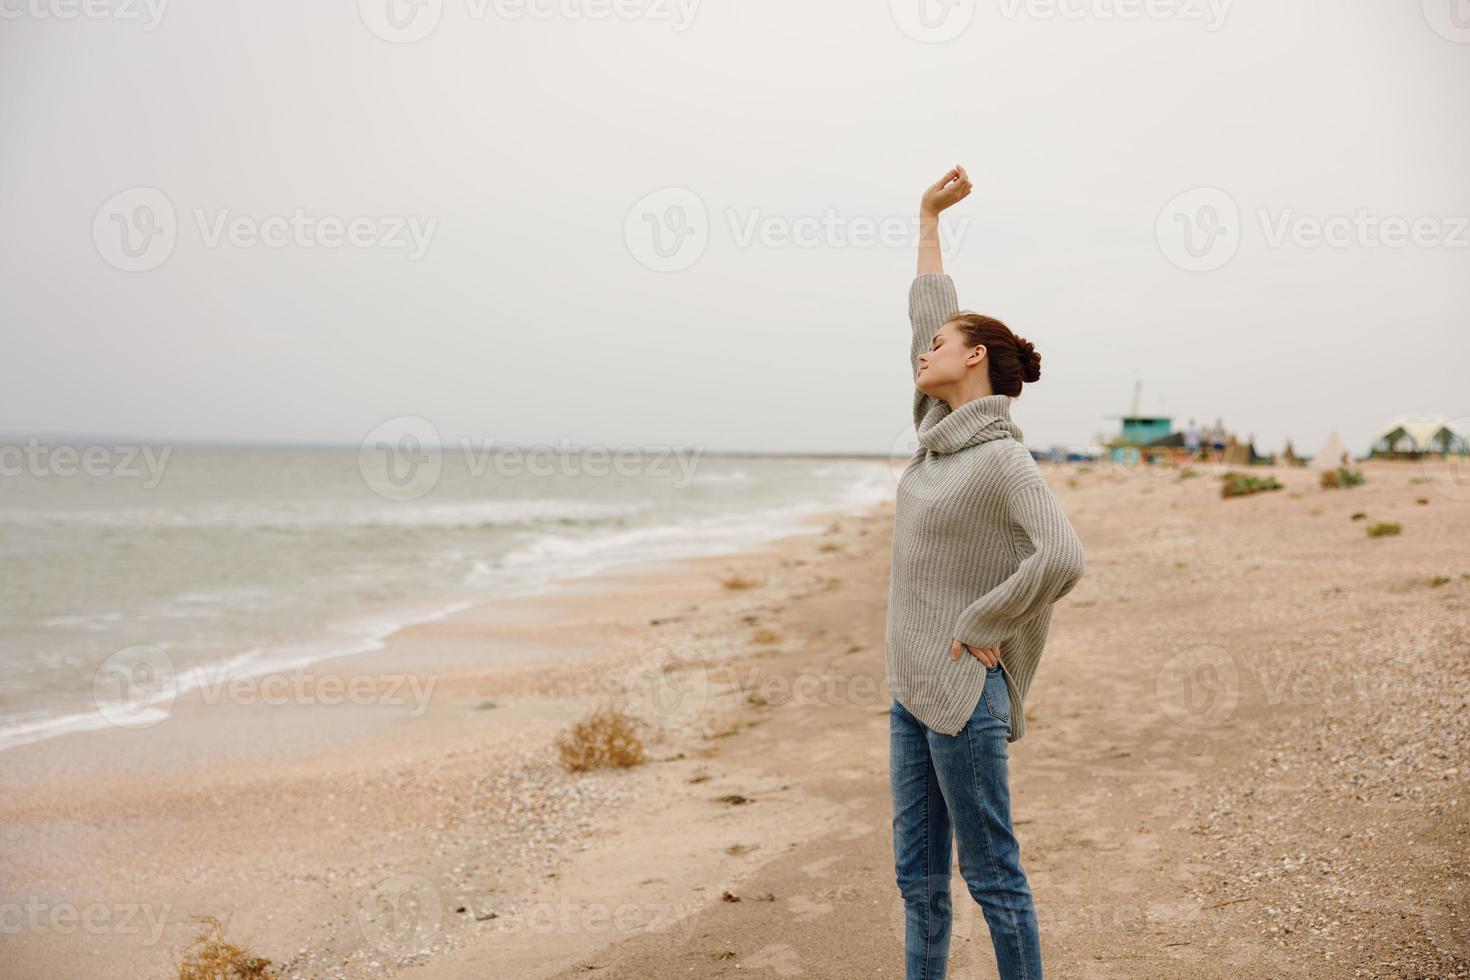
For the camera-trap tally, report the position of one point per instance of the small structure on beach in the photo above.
(1143, 437)
(1417, 435)
(1332, 454)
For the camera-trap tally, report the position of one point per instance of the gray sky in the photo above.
(522, 148)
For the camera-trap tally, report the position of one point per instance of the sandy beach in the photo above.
(1246, 757)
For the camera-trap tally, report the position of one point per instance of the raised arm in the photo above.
(948, 190)
(932, 298)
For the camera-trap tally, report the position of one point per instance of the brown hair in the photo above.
(1013, 360)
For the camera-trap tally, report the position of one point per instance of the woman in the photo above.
(980, 552)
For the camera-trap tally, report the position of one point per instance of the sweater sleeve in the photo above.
(1042, 578)
(932, 302)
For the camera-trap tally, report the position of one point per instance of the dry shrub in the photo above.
(1340, 478)
(1237, 484)
(738, 582)
(1385, 529)
(606, 737)
(212, 957)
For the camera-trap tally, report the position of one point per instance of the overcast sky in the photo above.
(509, 164)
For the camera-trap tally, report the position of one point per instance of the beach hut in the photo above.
(1416, 435)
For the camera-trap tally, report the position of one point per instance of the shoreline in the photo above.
(369, 633)
(493, 652)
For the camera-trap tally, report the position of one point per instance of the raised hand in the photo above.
(947, 191)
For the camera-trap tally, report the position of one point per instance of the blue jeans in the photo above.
(945, 784)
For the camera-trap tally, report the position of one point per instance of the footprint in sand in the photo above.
(803, 909)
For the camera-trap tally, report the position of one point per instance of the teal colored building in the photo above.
(1140, 430)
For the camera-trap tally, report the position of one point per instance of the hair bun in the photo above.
(1030, 360)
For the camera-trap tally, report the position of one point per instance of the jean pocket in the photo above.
(997, 698)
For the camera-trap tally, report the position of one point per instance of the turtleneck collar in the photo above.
(945, 431)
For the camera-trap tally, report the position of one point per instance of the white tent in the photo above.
(1329, 457)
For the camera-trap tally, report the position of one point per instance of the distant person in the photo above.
(1217, 438)
(966, 620)
(1191, 439)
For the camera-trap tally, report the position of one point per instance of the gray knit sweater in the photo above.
(981, 548)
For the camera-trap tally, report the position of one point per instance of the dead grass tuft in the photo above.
(212, 957)
(608, 737)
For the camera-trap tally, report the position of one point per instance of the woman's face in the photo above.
(946, 362)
